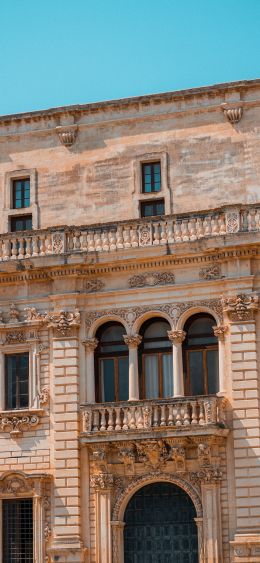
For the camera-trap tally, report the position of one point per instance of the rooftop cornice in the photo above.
(124, 103)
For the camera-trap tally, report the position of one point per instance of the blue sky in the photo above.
(60, 52)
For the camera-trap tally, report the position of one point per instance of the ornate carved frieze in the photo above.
(204, 454)
(91, 286)
(15, 337)
(17, 482)
(102, 481)
(67, 134)
(176, 336)
(209, 475)
(63, 321)
(15, 424)
(211, 272)
(154, 278)
(32, 314)
(233, 114)
(153, 453)
(240, 307)
(174, 310)
(132, 341)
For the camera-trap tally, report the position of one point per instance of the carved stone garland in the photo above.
(241, 307)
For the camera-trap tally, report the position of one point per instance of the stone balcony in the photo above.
(123, 235)
(185, 416)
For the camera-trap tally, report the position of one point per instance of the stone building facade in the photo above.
(130, 328)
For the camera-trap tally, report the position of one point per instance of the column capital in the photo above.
(176, 336)
(220, 331)
(90, 343)
(132, 341)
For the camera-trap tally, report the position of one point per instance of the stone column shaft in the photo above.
(219, 332)
(133, 343)
(90, 344)
(177, 337)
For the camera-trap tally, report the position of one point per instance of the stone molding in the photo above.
(173, 310)
(241, 307)
(151, 279)
(246, 546)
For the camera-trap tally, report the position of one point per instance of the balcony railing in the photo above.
(180, 414)
(129, 234)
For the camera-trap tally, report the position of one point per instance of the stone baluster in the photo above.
(112, 239)
(103, 425)
(118, 418)
(125, 418)
(177, 337)
(222, 224)
(186, 415)
(126, 237)
(207, 226)
(155, 416)
(170, 234)
(35, 248)
(90, 241)
(28, 247)
(48, 244)
(215, 227)
(1, 250)
(133, 342)
(6, 249)
(84, 241)
(219, 332)
(14, 249)
(119, 237)
(177, 232)
(163, 416)
(251, 220)
(185, 232)
(42, 244)
(134, 236)
(201, 413)
(96, 421)
(199, 227)
(257, 219)
(90, 344)
(194, 417)
(163, 232)
(170, 415)
(110, 422)
(21, 248)
(98, 244)
(156, 234)
(192, 229)
(178, 419)
(105, 241)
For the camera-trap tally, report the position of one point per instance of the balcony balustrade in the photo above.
(129, 234)
(185, 415)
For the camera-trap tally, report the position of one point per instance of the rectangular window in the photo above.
(22, 223)
(21, 193)
(18, 531)
(151, 177)
(17, 381)
(151, 208)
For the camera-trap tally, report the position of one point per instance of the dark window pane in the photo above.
(159, 209)
(108, 380)
(17, 380)
(151, 208)
(123, 377)
(167, 375)
(212, 367)
(21, 193)
(23, 223)
(196, 373)
(18, 531)
(151, 376)
(151, 177)
(146, 209)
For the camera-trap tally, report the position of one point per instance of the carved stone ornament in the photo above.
(153, 453)
(220, 331)
(209, 475)
(132, 341)
(16, 424)
(232, 221)
(17, 482)
(58, 243)
(94, 285)
(154, 278)
(67, 134)
(63, 321)
(241, 307)
(176, 336)
(204, 454)
(13, 314)
(178, 454)
(173, 310)
(44, 396)
(32, 314)
(212, 272)
(234, 114)
(15, 337)
(102, 481)
(90, 343)
(145, 235)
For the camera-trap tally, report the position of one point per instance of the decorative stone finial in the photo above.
(233, 114)
(67, 134)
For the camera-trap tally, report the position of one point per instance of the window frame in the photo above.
(8, 211)
(20, 218)
(159, 352)
(34, 376)
(14, 183)
(152, 164)
(203, 348)
(154, 203)
(18, 526)
(17, 386)
(99, 356)
(138, 194)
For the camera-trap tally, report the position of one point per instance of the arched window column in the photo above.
(177, 337)
(90, 344)
(133, 342)
(219, 332)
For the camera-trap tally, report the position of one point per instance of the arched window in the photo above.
(155, 360)
(200, 356)
(111, 364)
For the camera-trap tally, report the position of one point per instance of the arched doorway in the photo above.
(160, 526)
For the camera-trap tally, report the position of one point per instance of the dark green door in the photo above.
(160, 527)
